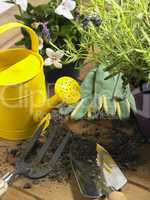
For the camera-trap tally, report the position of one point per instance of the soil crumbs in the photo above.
(121, 145)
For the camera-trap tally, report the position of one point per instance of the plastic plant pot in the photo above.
(142, 98)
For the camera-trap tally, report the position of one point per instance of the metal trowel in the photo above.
(98, 178)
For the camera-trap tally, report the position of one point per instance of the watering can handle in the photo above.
(34, 38)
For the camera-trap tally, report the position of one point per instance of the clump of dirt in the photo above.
(27, 186)
(122, 147)
(11, 156)
(62, 169)
(84, 160)
(83, 149)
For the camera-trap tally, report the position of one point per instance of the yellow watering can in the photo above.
(23, 97)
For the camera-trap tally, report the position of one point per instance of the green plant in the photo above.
(59, 32)
(122, 40)
(55, 31)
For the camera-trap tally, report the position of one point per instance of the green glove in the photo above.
(111, 97)
(84, 106)
(101, 95)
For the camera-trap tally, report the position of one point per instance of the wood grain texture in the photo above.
(15, 194)
(138, 187)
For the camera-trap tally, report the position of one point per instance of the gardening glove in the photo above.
(99, 94)
(86, 91)
(110, 95)
(85, 105)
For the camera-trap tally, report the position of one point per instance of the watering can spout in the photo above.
(67, 90)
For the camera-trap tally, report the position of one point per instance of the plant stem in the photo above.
(53, 45)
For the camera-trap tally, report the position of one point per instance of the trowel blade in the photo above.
(113, 176)
(106, 177)
(87, 186)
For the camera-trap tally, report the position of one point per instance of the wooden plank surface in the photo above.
(141, 177)
(138, 187)
(15, 194)
(134, 192)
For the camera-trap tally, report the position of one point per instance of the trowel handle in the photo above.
(46, 108)
(3, 187)
(5, 180)
(116, 196)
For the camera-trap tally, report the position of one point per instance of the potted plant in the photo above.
(122, 45)
(55, 24)
(124, 42)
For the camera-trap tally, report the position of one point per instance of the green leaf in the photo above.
(30, 7)
(18, 17)
(66, 30)
(20, 43)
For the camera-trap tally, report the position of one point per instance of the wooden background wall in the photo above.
(10, 38)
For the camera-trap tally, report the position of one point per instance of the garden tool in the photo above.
(106, 180)
(23, 98)
(112, 177)
(85, 169)
(99, 94)
(27, 163)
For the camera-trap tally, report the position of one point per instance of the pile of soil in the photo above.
(122, 147)
(85, 159)
(62, 168)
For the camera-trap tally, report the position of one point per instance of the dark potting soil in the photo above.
(62, 168)
(85, 158)
(121, 146)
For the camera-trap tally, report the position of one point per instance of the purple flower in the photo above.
(45, 31)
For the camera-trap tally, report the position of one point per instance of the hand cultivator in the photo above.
(28, 165)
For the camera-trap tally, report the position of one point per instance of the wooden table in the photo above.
(137, 188)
